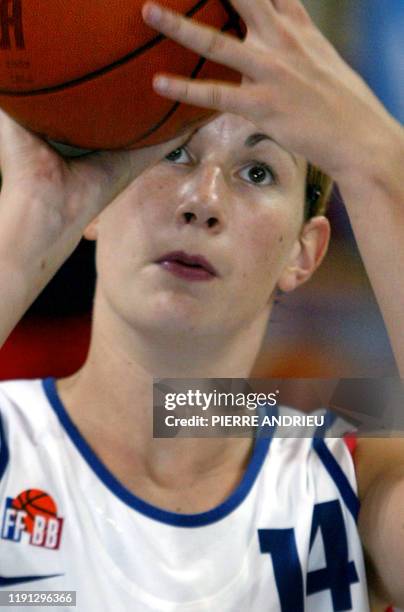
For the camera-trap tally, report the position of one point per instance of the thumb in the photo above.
(17, 144)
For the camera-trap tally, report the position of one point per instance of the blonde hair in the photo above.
(318, 191)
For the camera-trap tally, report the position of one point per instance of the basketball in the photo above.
(80, 72)
(33, 502)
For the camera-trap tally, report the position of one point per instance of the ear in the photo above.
(91, 231)
(307, 254)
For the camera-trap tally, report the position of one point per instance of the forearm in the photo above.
(27, 262)
(19, 287)
(14, 299)
(380, 526)
(374, 198)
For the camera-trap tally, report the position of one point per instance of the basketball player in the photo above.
(189, 256)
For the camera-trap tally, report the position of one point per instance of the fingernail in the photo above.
(153, 12)
(161, 83)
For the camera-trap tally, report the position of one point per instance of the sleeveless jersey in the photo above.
(285, 539)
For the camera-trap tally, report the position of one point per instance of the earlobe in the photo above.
(307, 254)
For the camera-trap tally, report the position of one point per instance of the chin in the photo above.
(173, 313)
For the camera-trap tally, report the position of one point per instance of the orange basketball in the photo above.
(33, 502)
(80, 71)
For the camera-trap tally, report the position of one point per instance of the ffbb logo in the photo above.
(12, 34)
(32, 512)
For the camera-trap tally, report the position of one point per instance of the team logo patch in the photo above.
(32, 515)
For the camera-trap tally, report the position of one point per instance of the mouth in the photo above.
(186, 266)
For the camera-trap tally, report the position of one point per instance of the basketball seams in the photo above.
(233, 22)
(23, 507)
(30, 515)
(156, 127)
(105, 69)
(43, 510)
(173, 109)
(25, 499)
(20, 499)
(31, 499)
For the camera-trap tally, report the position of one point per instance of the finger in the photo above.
(16, 143)
(108, 173)
(255, 14)
(202, 39)
(281, 5)
(293, 8)
(203, 93)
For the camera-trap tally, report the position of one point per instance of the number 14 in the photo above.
(338, 574)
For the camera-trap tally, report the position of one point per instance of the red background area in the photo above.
(42, 346)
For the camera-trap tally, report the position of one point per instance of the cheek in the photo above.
(153, 195)
(266, 237)
(133, 216)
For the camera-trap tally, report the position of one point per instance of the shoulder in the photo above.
(24, 411)
(20, 396)
(323, 464)
(374, 457)
(13, 389)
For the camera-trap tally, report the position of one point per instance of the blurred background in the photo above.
(330, 328)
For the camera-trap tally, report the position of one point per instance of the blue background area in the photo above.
(381, 51)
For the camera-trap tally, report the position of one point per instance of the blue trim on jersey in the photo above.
(267, 431)
(4, 454)
(11, 580)
(329, 420)
(339, 477)
(170, 518)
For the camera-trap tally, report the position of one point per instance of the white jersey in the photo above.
(285, 540)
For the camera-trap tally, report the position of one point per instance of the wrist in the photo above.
(19, 283)
(379, 163)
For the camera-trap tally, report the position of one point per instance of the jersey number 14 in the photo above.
(338, 574)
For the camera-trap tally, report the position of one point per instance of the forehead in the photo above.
(226, 129)
(231, 133)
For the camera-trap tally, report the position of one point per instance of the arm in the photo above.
(45, 204)
(300, 91)
(374, 198)
(380, 474)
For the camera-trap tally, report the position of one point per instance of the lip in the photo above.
(187, 266)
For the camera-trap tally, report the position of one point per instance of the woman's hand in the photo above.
(46, 201)
(45, 204)
(295, 87)
(298, 90)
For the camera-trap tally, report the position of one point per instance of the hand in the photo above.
(46, 201)
(45, 204)
(295, 86)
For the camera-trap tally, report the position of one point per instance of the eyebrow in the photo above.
(255, 139)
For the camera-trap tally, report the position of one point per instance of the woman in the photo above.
(189, 257)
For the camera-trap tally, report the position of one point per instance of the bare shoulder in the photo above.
(379, 466)
(374, 457)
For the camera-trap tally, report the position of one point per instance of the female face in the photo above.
(200, 242)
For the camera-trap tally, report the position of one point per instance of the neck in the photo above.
(113, 391)
(119, 348)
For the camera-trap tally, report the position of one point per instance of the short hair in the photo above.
(318, 191)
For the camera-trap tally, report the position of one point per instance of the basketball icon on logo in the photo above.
(35, 502)
(33, 512)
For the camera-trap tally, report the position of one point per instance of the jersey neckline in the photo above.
(153, 512)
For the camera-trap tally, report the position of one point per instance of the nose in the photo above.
(203, 200)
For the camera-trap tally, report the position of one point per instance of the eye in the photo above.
(179, 156)
(258, 173)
